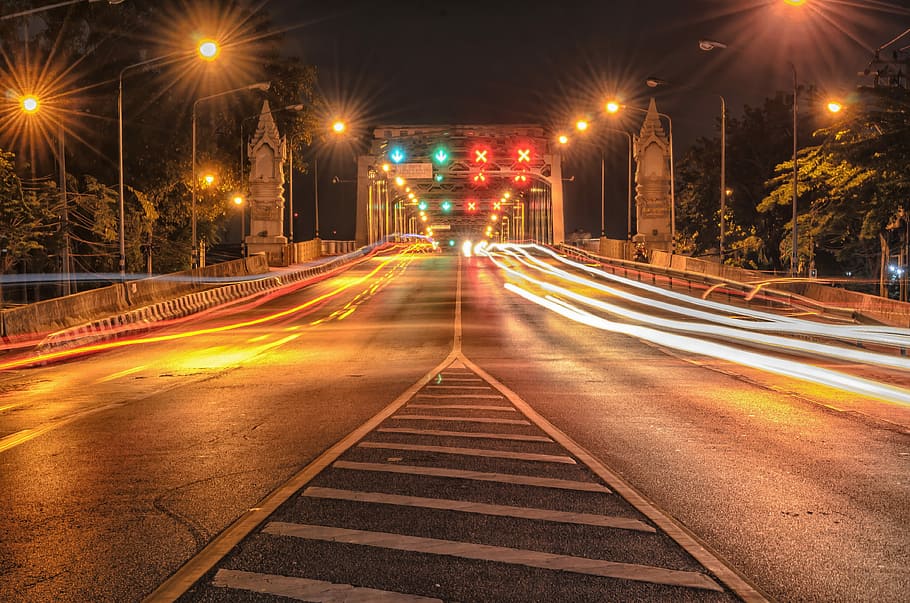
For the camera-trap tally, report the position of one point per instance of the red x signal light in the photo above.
(481, 155)
(524, 155)
(472, 206)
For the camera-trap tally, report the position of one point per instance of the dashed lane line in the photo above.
(588, 519)
(460, 419)
(503, 478)
(463, 407)
(496, 554)
(480, 452)
(304, 589)
(518, 437)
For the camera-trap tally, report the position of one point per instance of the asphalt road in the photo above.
(121, 466)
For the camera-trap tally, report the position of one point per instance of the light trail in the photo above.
(770, 364)
(62, 354)
(773, 341)
(892, 336)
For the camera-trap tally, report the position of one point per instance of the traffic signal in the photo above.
(471, 206)
(440, 155)
(481, 155)
(480, 179)
(523, 155)
(446, 206)
(397, 155)
(521, 178)
(422, 205)
(437, 177)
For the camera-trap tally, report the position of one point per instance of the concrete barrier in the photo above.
(62, 312)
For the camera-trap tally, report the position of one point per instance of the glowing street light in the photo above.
(29, 103)
(835, 106)
(581, 125)
(339, 126)
(208, 49)
(563, 139)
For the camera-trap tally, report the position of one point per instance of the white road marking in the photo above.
(482, 452)
(505, 478)
(518, 437)
(497, 554)
(303, 589)
(462, 407)
(458, 387)
(463, 419)
(451, 396)
(588, 519)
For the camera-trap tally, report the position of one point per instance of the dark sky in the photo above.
(420, 61)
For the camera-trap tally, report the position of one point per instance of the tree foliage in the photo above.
(853, 185)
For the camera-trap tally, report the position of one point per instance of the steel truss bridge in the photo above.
(499, 182)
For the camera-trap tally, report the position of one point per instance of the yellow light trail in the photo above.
(51, 356)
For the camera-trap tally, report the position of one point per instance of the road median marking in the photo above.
(589, 519)
(497, 554)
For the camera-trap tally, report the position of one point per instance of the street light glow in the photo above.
(581, 125)
(612, 106)
(563, 139)
(339, 126)
(208, 49)
(835, 107)
(238, 200)
(29, 103)
(795, 2)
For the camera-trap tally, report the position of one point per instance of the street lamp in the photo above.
(613, 107)
(29, 104)
(208, 49)
(258, 86)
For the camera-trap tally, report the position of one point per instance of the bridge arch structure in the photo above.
(499, 182)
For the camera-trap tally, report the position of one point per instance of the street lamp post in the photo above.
(29, 104)
(582, 126)
(257, 86)
(208, 50)
(794, 258)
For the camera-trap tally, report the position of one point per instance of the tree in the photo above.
(23, 220)
(853, 183)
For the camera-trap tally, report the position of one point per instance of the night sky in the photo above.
(418, 61)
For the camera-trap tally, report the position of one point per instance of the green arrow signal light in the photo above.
(440, 155)
(422, 206)
(438, 177)
(446, 206)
